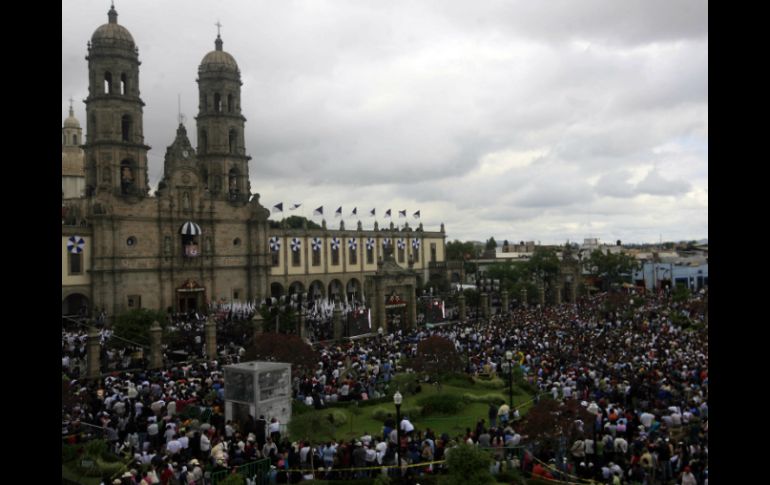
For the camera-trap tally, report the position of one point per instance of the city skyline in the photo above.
(513, 120)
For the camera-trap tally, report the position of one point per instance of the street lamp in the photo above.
(508, 366)
(397, 398)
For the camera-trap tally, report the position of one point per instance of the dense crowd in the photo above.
(643, 378)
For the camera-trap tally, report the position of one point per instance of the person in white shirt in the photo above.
(406, 426)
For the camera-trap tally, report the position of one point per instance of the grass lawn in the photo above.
(317, 425)
(70, 474)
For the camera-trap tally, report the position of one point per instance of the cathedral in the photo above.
(203, 236)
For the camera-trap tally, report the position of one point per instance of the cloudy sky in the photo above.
(522, 120)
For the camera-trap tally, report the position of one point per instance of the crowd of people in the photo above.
(643, 379)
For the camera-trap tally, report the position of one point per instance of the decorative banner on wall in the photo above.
(416, 243)
(386, 242)
(316, 244)
(75, 244)
(370, 243)
(295, 244)
(401, 244)
(275, 243)
(352, 243)
(335, 243)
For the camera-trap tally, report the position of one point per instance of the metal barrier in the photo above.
(259, 471)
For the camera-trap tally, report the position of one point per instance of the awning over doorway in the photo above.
(190, 228)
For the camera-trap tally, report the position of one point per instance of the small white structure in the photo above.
(258, 388)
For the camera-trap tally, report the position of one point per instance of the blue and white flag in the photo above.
(275, 243)
(416, 243)
(416, 215)
(401, 244)
(295, 206)
(319, 211)
(278, 207)
(295, 244)
(338, 212)
(387, 213)
(335, 243)
(370, 243)
(75, 244)
(386, 242)
(355, 211)
(371, 212)
(316, 243)
(402, 213)
(352, 243)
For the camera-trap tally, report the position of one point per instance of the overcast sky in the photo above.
(522, 120)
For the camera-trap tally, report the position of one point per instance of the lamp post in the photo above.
(397, 398)
(509, 366)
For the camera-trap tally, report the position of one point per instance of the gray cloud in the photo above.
(522, 120)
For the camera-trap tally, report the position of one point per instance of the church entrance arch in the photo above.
(276, 290)
(190, 297)
(335, 290)
(315, 291)
(354, 290)
(75, 304)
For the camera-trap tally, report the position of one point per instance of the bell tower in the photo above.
(115, 153)
(224, 165)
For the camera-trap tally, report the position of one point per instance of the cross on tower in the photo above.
(218, 27)
(71, 101)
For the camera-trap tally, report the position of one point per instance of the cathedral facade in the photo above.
(203, 236)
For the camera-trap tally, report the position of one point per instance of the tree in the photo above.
(491, 244)
(437, 355)
(278, 347)
(459, 251)
(468, 466)
(508, 273)
(134, 325)
(549, 420)
(611, 268)
(294, 222)
(543, 266)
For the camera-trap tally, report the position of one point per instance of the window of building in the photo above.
(237, 241)
(134, 301)
(317, 258)
(205, 103)
(237, 294)
(353, 256)
(123, 84)
(233, 140)
(74, 139)
(190, 246)
(416, 254)
(335, 257)
(76, 263)
(433, 252)
(131, 241)
(296, 257)
(274, 257)
(126, 176)
(217, 103)
(107, 82)
(125, 127)
(400, 255)
(204, 142)
(370, 255)
(229, 103)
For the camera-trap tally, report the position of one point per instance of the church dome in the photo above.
(111, 33)
(218, 60)
(71, 122)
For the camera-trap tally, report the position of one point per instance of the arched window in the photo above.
(217, 103)
(126, 176)
(123, 84)
(233, 138)
(205, 103)
(63, 139)
(74, 139)
(204, 142)
(107, 82)
(229, 103)
(232, 178)
(125, 127)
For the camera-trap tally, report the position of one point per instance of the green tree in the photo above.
(491, 243)
(460, 251)
(508, 273)
(436, 356)
(611, 268)
(134, 325)
(468, 466)
(278, 347)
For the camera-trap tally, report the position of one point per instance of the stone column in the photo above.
(504, 302)
(523, 297)
(461, 303)
(156, 351)
(337, 317)
(485, 305)
(541, 293)
(93, 365)
(258, 323)
(557, 294)
(211, 338)
(302, 329)
(382, 321)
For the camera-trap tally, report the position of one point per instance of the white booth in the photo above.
(258, 388)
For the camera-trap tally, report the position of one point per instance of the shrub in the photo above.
(468, 466)
(491, 383)
(485, 398)
(233, 479)
(441, 403)
(68, 452)
(336, 417)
